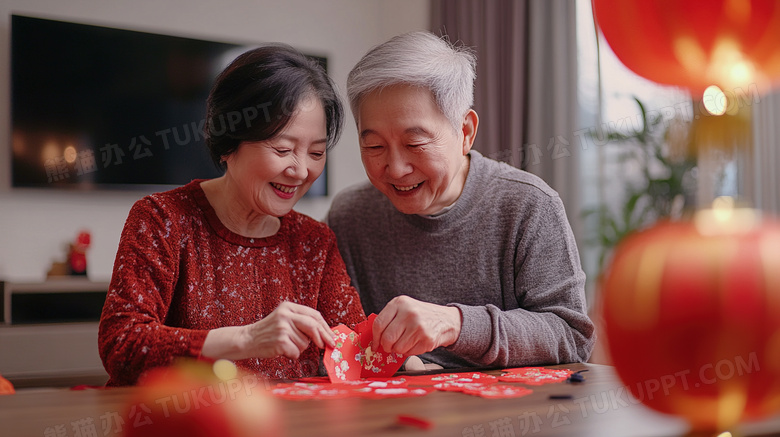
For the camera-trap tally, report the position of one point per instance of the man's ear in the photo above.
(469, 129)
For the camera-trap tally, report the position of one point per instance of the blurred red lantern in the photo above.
(692, 318)
(695, 43)
(187, 399)
(6, 388)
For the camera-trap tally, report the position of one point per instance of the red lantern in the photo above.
(692, 319)
(6, 388)
(695, 43)
(188, 399)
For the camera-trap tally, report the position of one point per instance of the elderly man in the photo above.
(468, 261)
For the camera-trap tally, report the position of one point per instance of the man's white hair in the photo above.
(423, 60)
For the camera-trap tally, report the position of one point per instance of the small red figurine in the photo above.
(77, 258)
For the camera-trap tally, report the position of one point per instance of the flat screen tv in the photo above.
(94, 107)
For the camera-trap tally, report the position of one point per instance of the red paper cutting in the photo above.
(500, 391)
(392, 392)
(535, 375)
(369, 389)
(376, 361)
(378, 382)
(355, 356)
(460, 386)
(344, 361)
(464, 378)
(301, 391)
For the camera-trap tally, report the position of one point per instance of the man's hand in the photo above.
(411, 327)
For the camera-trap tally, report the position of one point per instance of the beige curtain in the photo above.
(497, 30)
(763, 183)
(526, 84)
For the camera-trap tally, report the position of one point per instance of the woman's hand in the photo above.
(287, 331)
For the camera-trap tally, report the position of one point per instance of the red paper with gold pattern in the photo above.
(355, 356)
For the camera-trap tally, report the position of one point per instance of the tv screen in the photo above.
(95, 107)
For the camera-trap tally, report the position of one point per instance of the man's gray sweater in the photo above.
(504, 254)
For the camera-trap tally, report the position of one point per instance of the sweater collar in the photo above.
(453, 213)
(226, 234)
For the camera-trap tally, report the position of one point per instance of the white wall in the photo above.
(36, 225)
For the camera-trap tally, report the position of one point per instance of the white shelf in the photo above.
(62, 284)
(57, 353)
(55, 291)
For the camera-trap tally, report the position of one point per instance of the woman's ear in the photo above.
(469, 129)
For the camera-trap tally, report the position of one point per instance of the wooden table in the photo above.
(600, 406)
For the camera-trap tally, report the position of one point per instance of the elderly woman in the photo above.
(471, 262)
(224, 268)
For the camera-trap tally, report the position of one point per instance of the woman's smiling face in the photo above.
(273, 175)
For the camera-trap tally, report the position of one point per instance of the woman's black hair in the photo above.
(255, 97)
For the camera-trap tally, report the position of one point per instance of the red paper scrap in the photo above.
(414, 421)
